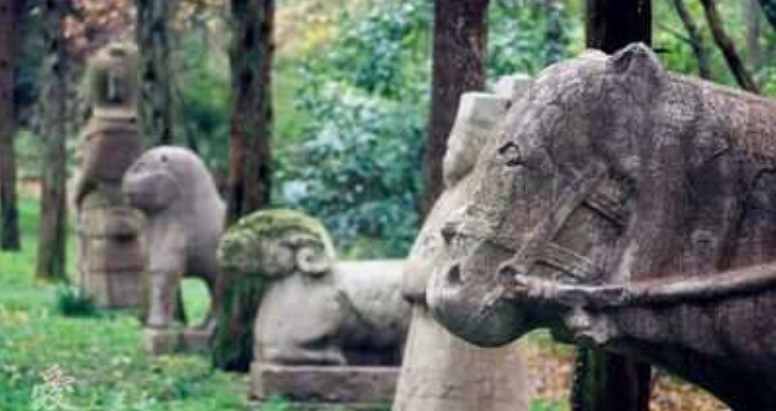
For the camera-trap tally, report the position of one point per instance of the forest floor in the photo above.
(50, 362)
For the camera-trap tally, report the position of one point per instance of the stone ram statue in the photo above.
(624, 207)
(312, 309)
(185, 214)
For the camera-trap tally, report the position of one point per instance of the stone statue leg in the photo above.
(164, 298)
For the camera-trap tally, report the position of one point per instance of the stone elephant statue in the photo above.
(185, 214)
(311, 309)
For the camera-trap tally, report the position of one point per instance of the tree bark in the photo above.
(613, 24)
(52, 231)
(728, 48)
(155, 102)
(10, 11)
(251, 124)
(769, 9)
(605, 381)
(460, 43)
(697, 42)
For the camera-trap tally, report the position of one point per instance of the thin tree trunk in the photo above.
(155, 103)
(52, 231)
(605, 381)
(728, 48)
(10, 11)
(753, 33)
(697, 42)
(460, 42)
(769, 9)
(613, 24)
(251, 125)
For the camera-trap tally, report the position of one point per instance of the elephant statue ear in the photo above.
(313, 260)
(638, 64)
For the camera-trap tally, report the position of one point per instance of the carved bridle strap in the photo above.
(590, 189)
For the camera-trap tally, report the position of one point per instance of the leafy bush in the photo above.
(72, 302)
(365, 101)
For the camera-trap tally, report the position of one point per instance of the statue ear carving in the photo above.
(312, 261)
(637, 60)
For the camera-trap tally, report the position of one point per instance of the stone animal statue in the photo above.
(441, 372)
(110, 253)
(623, 207)
(313, 309)
(185, 214)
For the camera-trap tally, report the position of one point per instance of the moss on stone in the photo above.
(242, 283)
(239, 245)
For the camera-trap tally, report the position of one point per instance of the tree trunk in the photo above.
(460, 43)
(10, 10)
(728, 48)
(696, 39)
(613, 24)
(155, 102)
(753, 33)
(52, 231)
(251, 125)
(769, 8)
(604, 381)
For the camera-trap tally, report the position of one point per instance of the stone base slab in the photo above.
(168, 341)
(324, 387)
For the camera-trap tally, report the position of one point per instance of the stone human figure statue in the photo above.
(441, 372)
(110, 257)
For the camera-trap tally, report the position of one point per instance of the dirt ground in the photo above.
(551, 367)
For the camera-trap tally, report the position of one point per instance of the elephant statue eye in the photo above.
(510, 155)
(164, 158)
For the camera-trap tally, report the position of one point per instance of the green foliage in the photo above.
(202, 101)
(50, 362)
(546, 405)
(72, 302)
(357, 168)
(527, 35)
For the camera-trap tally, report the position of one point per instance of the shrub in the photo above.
(72, 302)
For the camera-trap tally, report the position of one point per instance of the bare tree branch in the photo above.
(696, 40)
(728, 48)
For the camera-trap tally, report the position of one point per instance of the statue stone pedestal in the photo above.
(324, 387)
(170, 341)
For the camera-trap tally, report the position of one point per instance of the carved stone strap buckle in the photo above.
(592, 189)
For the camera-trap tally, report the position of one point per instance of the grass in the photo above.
(92, 360)
(99, 357)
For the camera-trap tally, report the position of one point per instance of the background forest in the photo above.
(350, 90)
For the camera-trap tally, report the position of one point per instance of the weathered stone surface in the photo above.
(620, 207)
(325, 385)
(441, 372)
(184, 213)
(311, 308)
(308, 309)
(110, 253)
(252, 255)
